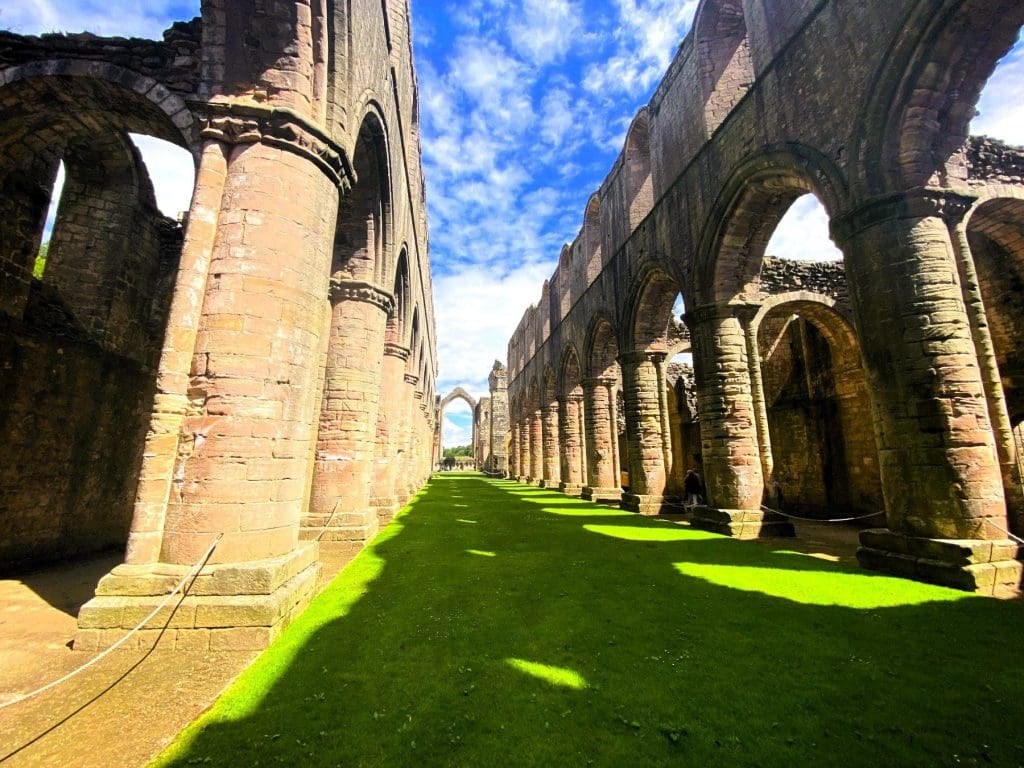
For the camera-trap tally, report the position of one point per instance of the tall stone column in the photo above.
(728, 429)
(340, 506)
(551, 464)
(513, 450)
(581, 419)
(251, 331)
(536, 448)
(498, 385)
(171, 402)
(601, 435)
(572, 446)
(940, 469)
(757, 396)
(384, 492)
(645, 433)
(405, 480)
(1006, 448)
(524, 449)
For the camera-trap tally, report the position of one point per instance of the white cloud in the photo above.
(647, 36)
(477, 310)
(802, 234)
(457, 427)
(1001, 106)
(172, 172)
(125, 18)
(544, 29)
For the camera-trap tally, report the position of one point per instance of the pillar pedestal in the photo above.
(229, 606)
(570, 489)
(973, 565)
(601, 494)
(645, 504)
(741, 523)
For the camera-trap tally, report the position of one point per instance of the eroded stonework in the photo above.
(253, 375)
(888, 385)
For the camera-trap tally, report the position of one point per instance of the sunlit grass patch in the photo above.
(814, 587)
(567, 678)
(650, 533)
(548, 631)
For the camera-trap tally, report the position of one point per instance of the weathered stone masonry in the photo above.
(891, 387)
(257, 374)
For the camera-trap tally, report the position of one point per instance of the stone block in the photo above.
(972, 565)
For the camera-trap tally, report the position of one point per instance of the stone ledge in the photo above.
(973, 565)
(742, 523)
(260, 577)
(202, 621)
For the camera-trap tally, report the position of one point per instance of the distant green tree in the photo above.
(40, 266)
(458, 450)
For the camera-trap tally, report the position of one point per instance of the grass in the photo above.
(495, 624)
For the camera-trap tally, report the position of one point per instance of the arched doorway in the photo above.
(86, 277)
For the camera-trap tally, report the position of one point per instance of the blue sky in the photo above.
(525, 105)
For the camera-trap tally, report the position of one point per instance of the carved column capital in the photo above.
(396, 350)
(918, 203)
(641, 356)
(236, 123)
(411, 378)
(708, 312)
(356, 290)
(594, 382)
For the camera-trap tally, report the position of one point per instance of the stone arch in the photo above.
(592, 239)
(602, 348)
(571, 372)
(565, 292)
(549, 387)
(821, 448)
(83, 340)
(637, 167)
(456, 394)
(650, 310)
(748, 210)
(414, 341)
(995, 231)
(925, 92)
(362, 240)
(724, 60)
(398, 318)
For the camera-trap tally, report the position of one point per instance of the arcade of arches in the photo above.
(257, 377)
(886, 386)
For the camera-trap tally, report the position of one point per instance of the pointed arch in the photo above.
(724, 61)
(637, 165)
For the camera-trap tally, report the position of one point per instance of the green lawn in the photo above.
(494, 624)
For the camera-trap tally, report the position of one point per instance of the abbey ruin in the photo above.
(259, 376)
(253, 387)
(891, 383)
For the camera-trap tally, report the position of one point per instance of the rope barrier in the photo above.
(192, 574)
(818, 519)
(998, 527)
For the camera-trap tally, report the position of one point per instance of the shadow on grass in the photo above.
(543, 632)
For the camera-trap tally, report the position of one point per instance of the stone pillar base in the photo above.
(601, 494)
(522, 479)
(974, 565)
(642, 503)
(230, 606)
(386, 509)
(570, 489)
(536, 482)
(741, 523)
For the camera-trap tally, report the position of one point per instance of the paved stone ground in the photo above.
(122, 711)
